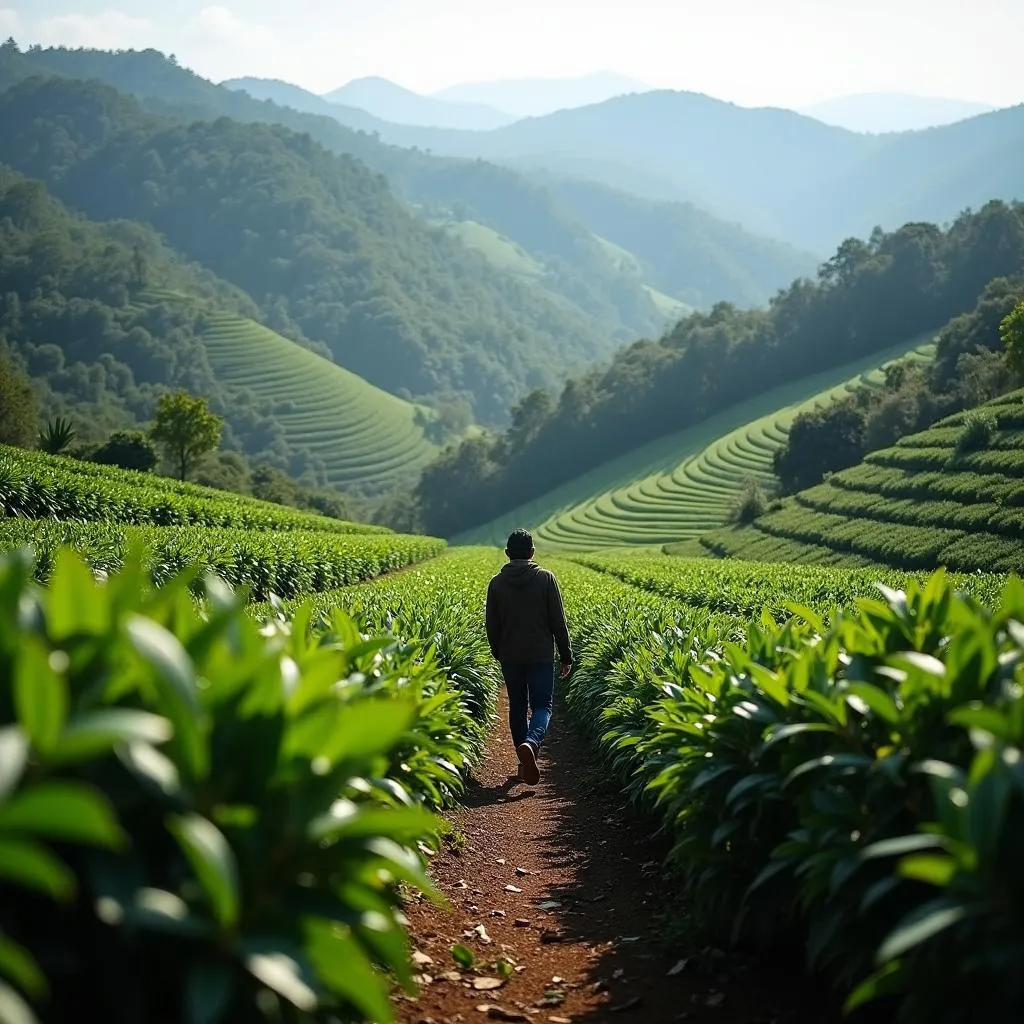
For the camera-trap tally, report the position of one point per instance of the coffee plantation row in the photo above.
(35, 485)
(265, 562)
(207, 815)
(852, 781)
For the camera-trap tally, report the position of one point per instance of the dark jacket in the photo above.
(525, 618)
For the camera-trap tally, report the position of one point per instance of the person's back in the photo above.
(525, 623)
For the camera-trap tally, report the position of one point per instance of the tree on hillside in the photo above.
(1011, 332)
(18, 414)
(129, 449)
(820, 441)
(185, 430)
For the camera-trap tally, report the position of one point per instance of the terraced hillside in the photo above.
(509, 256)
(685, 484)
(367, 440)
(952, 496)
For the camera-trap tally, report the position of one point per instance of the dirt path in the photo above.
(589, 926)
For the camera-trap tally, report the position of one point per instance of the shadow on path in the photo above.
(566, 884)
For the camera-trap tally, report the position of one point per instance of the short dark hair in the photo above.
(520, 544)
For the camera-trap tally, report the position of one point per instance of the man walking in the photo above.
(525, 621)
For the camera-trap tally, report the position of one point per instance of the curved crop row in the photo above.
(265, 562)
(850, 783)
(688, 483)
(34, 485)
(206, 816)
(943, 497)
(366, 439)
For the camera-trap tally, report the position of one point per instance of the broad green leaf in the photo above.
(368, 727)
(40, 694)
(925, 662)
(150, 765)
(94, 732)
(282, 969)
(175, 679)
(74, 604)
(20, 966)
(212, 861)
(935, 869)
(877, 700)
(70, 811)
(159, 910)
(33, 866)
(347, 971)
(900, 845)
(14, 1009)
(13, 756)
(347, 821)
(777, 734)
(919, 926)
(883, 982)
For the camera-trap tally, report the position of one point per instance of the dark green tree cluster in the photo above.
(77, 319)
(316, 238)
(871, 295)
(686, 252)
(970, 368)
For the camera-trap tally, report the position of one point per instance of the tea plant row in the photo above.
(289, 563)
(34, 485)
(209, 815)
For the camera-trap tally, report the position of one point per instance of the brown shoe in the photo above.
(528, 770)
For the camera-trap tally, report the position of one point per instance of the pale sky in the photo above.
(753, 52)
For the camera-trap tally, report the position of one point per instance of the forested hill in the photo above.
(523, 210)
(315, 238)
(67, 311)
(775, 171)
(871, 295)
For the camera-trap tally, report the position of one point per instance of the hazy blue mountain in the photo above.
(391, 102)
(284, 94)
(534, 97)
(878, 112)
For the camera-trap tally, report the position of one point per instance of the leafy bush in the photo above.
(204, 817)
(855, 781)
(129, 449)
(979, 427)
(37, 486)
(751, 504)
(289, 564)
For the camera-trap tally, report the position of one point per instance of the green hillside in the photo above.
(500, 251)
(952, 495)
(317, 239)
(686, 483)
(694, 251)
(361, 438)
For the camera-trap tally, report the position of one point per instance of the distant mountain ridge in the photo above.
(881, 112)
(385, 99)
(535, 97)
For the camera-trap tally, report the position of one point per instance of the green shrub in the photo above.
(979, 427)
(854, 781)
(751, 503)
(129, 449)
(204, 817)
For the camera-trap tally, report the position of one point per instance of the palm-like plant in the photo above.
(57, 436)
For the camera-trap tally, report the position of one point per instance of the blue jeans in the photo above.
(534, 685)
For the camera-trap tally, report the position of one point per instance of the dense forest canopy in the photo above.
(872, 294)
(72, 317)
(707, 258)
(317, 240)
